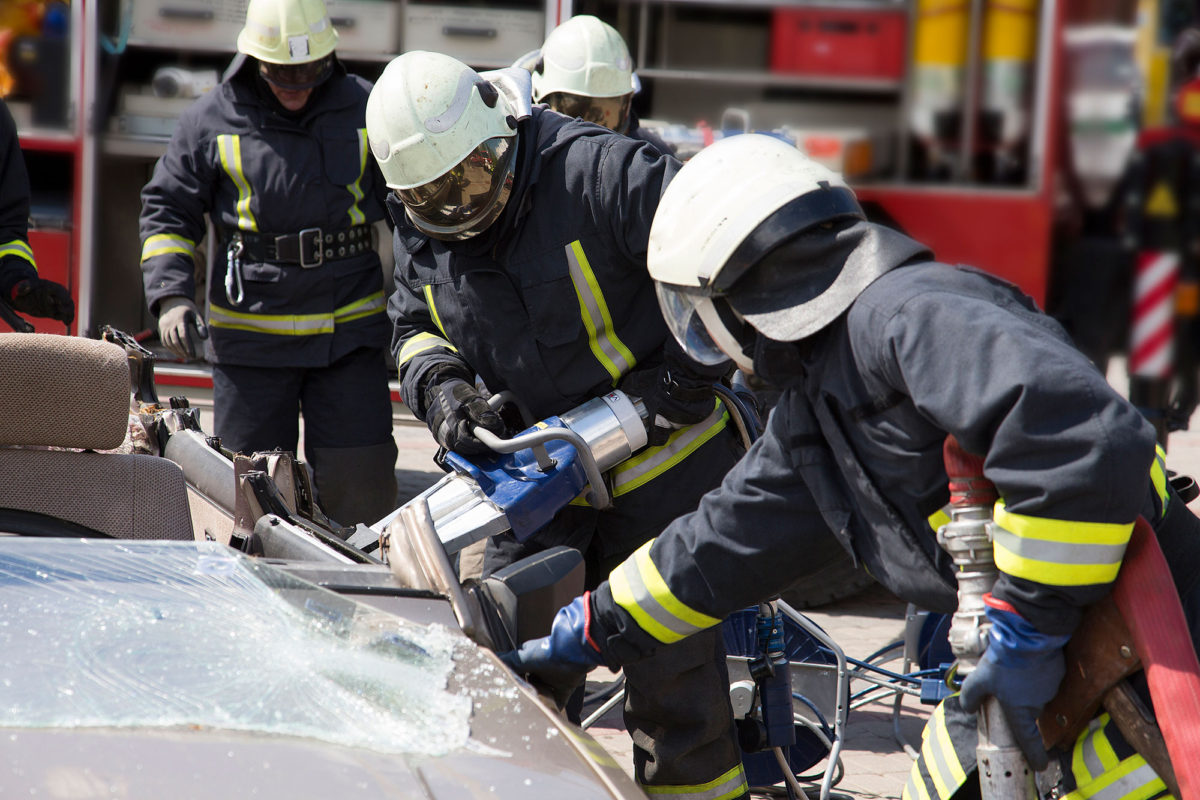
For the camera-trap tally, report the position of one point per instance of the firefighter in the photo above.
(276, 155)
(584, 70)
(882, 353)
(520, 265)
(20, 286)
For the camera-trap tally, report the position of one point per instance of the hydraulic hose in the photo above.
(1146, 596)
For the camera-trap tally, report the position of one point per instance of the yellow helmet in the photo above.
(287, 31)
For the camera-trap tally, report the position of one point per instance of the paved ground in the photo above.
(875, 764)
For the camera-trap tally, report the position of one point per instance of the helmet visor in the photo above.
(611, 112)
(295, 77)
(466, 198)
(682, 311)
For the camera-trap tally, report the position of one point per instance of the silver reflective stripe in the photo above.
(164, 243)
(1126, 785)
(650, 463)
(731, 784)
(229, 147)
(609, 350)
(276, 324)
(19, 248)
(639, 588)
(357, 217)
(1057, 552)
(1087, 751)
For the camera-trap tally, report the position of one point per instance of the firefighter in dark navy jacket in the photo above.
(881, 353)
(276, 156)
(20, 286)
(520, 262)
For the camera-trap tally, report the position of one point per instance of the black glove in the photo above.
(452, 408)
(673, 395)
(42, 298)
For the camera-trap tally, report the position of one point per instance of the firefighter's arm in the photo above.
(424, 354)
(1069, 456)
(174, 202)
(627, 183)
(747, 540)
(16, 258)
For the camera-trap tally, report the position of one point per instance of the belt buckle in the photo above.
(311, 238)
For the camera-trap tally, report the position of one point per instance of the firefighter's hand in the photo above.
(562, 660)
(181, 327)
(1021, 668)
(673, 395)
(42, 298)
(452, 408)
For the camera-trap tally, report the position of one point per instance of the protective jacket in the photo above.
(16, 258)
(636, 131)
(854, 446)
(552, 301)
(260, 174)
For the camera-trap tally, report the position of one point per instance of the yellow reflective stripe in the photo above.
(639, 588)
(364, 307)
(914, 788)
(1134, 779)
(945, 755)
(277, 324)
(1085, 763)
(433, 312)
(938, 518)
(1158, 476)
(654, 461)
(162, 243)
(229, 146)
(419, 344)
(934, 752)
(1058, 552)
(19, 248)
(606, 346)
(357, 217)
(1100, 774)
(731, 784)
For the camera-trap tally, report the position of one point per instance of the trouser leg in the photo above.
(255, 408)
(678, 714)
(348, 437)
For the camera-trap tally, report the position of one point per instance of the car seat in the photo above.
(62, 399)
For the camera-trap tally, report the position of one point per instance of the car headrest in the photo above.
(62, 391)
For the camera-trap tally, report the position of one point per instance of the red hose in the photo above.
(1147, 598)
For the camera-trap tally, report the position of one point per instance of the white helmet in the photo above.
(584, 56)
(584, 70)
(287, 31)
(445, 140)
(728, 207)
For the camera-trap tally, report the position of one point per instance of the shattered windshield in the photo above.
(100, 633)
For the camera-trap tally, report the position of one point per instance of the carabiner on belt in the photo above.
(234, 291)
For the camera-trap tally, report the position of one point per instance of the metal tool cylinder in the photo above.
(611, 425)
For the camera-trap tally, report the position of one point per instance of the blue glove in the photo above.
(561, 660)
(1021, 668)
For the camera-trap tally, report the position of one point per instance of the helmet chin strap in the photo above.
(723, 337)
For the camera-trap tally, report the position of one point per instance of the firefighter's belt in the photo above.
(309, 248)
